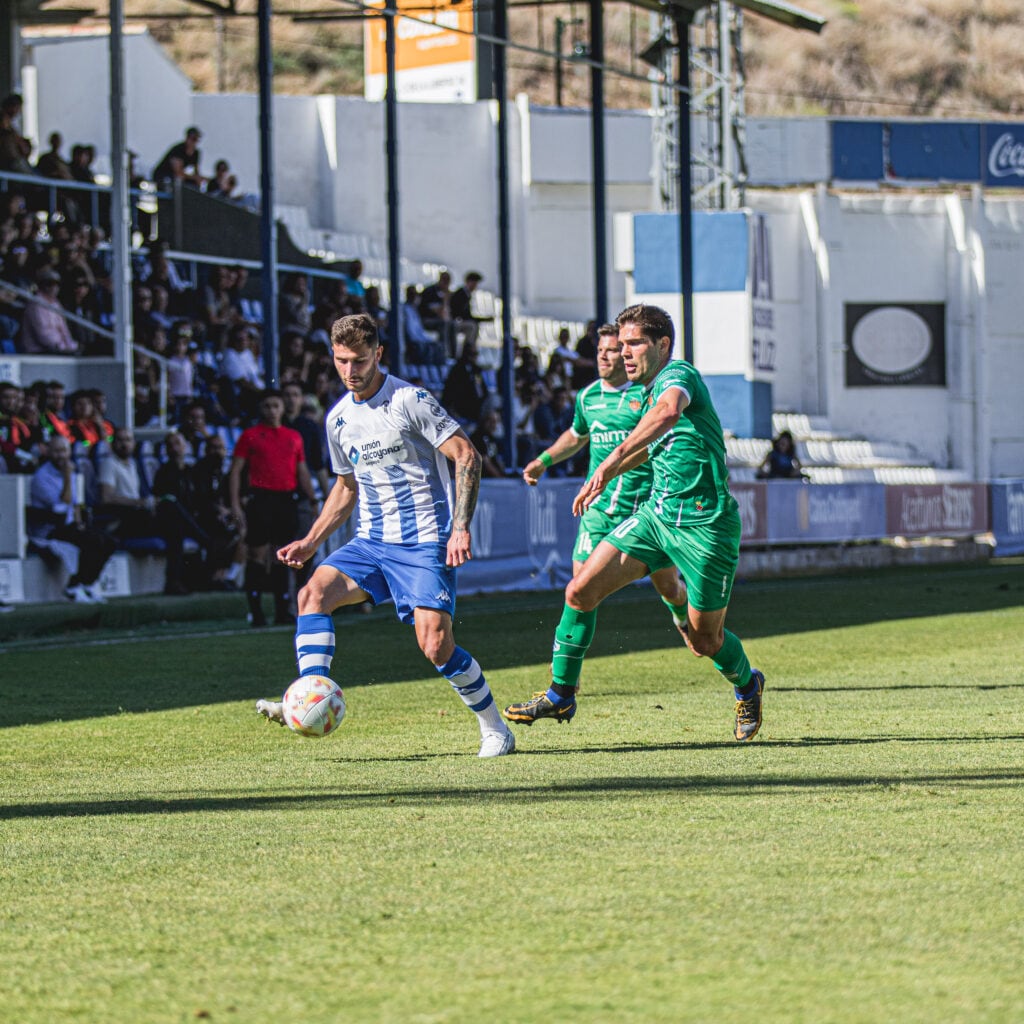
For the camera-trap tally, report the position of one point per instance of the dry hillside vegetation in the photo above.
(944, 58)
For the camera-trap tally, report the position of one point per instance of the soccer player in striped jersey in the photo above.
(606, 411)
(390, 443)
(690, 521)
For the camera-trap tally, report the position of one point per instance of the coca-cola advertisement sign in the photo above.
(1004, 155)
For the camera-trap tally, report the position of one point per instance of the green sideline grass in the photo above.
(165, 856)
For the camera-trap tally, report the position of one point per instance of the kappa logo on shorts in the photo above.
(353, 455)
(422, 395)
(443, 596)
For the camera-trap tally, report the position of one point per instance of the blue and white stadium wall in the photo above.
(723, 307)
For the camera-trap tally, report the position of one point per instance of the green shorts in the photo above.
(594, 527)
(705, 555)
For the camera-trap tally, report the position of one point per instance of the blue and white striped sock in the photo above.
(314, 644)
(467, 679)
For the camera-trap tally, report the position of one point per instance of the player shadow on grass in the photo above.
(684, 745)
(565, 789)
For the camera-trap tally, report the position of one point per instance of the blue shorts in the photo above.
(411, 575)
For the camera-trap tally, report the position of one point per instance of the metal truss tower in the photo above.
(715, 54)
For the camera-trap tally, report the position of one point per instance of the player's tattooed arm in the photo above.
(467, 487)
(467, 461)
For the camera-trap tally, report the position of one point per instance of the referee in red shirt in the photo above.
(273, 455)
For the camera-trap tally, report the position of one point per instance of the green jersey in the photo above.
(691, 482)
(607, 415)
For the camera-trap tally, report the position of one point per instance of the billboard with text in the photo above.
(435, 54)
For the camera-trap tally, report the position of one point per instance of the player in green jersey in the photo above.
(606, 411)
(690, 521)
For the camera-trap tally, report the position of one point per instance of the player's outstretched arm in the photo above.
(336, 509)
(467, 461)
(633, 450)
(564, 448)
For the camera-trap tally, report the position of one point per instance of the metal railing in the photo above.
(144, 198)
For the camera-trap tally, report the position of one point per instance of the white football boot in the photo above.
(272, 710)
(496, 744)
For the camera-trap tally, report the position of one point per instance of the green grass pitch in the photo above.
(166, 856)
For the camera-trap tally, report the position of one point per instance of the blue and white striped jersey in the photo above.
(389, 443)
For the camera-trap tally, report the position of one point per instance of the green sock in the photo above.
(679, 611)
(731, 661)
(572, 641)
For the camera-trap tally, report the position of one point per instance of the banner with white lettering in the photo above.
(1008, 516)
(942, 510)
(1003, 155)
(803, 512)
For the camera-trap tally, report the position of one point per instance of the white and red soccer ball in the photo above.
(313, 706)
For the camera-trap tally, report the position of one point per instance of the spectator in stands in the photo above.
(563, 359)
(43, 327)
(309, 430)
(124, 506)
(142, 307)
(434, 307)
(181, 162)
(194, 428)
(584, 367)
(10, 315)
(48, 399)
(527, 398)
(29, 413)
(320, 331)
(226, 554)
(420, 346)
(18, 266)
(313, 447)
(79, 297)
(99, 414)
(51, 164)
(528, 369)
(174, 491)
(84, 428)
(158, 314)
(464, 321)
(223, 183)
(352, 279)
(781, 462)
(296, 356)
(15, 436)
(486, 441)
(54, 514)
(218, 310)
(28, 235)
(181, 373)
(274, 457)
(465, 391)
(551, 419)
(241, 371)
(158, 268)
(82, 156)
(374, 308)
(15, 149)
(145, 400)
(293, 312)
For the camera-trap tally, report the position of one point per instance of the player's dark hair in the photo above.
(608, 331)
(653, 321)
(271, 393)
(357, 329)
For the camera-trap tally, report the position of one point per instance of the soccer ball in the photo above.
(313, 706)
